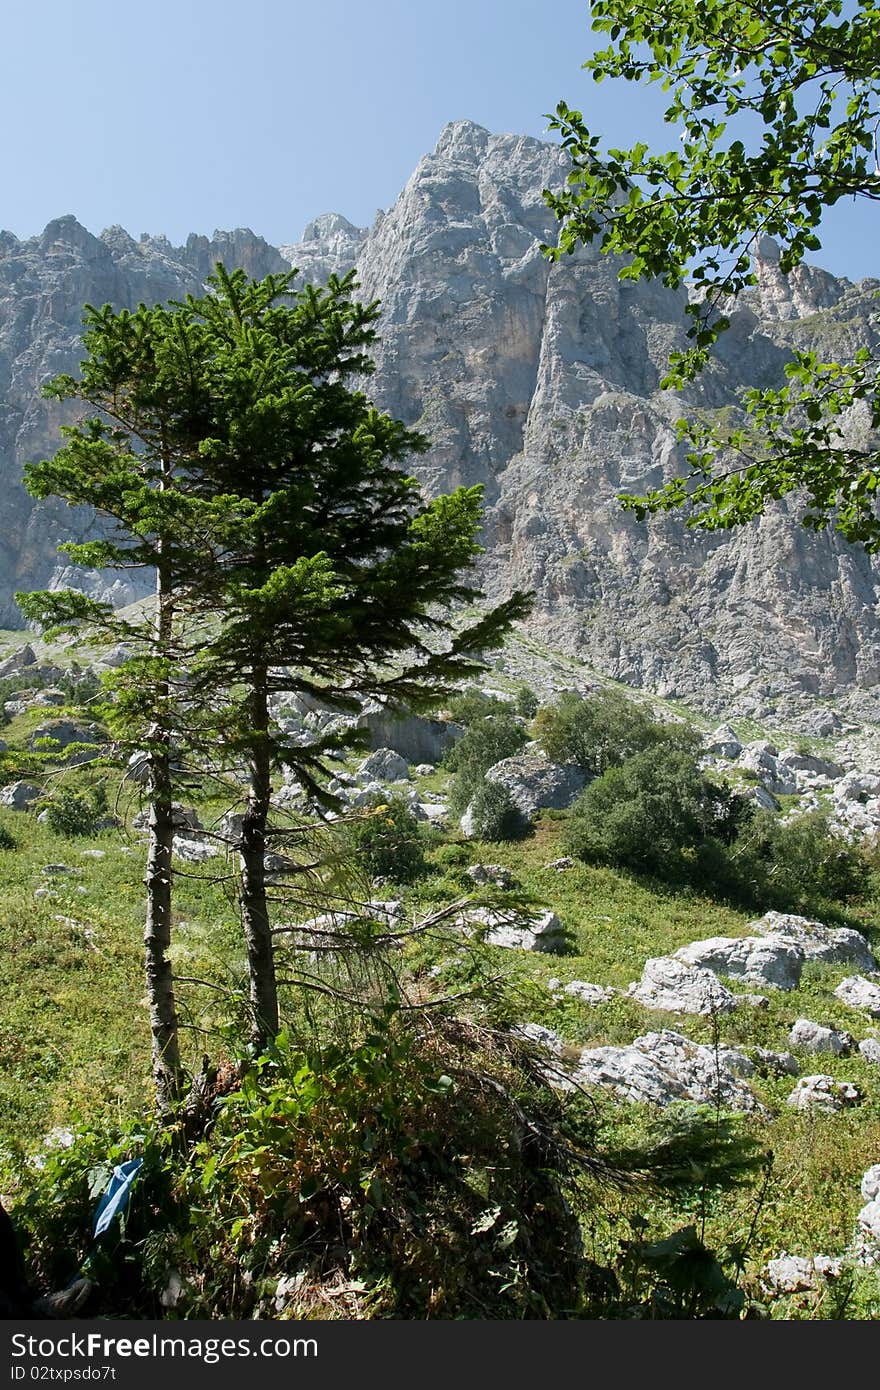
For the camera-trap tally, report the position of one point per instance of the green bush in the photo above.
(793, 864)
(486, 742)
(526, 702)
(75, 814)
(494, 813)
(655, 812)
(605, 729)
(7, 839)
(387, 841)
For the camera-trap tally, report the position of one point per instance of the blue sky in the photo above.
(179, 117)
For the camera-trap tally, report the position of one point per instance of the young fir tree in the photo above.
(336, 575)
(127, 460)
(267, 492)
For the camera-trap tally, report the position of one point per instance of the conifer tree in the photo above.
(293, 552)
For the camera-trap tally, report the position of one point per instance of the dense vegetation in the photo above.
(397, 1151)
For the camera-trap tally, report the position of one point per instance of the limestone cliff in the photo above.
(541, 382)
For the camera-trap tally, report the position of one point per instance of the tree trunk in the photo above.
(167, 1070)
(262, 986)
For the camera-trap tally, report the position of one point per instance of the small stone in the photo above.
(588, 993)
(870, 1050)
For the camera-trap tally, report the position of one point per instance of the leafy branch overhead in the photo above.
(775, 107)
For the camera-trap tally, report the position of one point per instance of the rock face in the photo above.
(540, 381)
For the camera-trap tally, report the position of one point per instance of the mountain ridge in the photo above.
(542, 382)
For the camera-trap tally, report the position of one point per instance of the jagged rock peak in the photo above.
(330, 224)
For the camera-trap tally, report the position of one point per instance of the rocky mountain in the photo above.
(543, 383)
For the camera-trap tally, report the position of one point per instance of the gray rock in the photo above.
(542, 932)
(870, 1186)
(823, 1093)
(587, 993)
(539, 1034)
(677, 987)
(535, 783)
(185, 819)
(860, 993)
(18, 660)
(776, 1063)
(837, 945)
(384, 766)
(798, 1274)
(723, 743)
(496, 874)
(64, 732)
(560, 865)
(415, 737)
(814, 1037)
(806, 762)
(753, 959)
(18, 796)
(194, 851)
(868, 1221)
(870, 1050)
(659, 1068)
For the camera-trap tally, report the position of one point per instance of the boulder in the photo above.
(806, 762)
(185, 819)
(535, 783)
(870, 1050)
(496, 874)
(837, 945)
(775, 1063)
(823, 1093)
(18, 796)
(18, 661)
(859, 993)
(723, 743)
(384, 766)
(756, 960)
(815, 1037)
(543, 932)
(799, 1274)
(673, 985)
(870, 1187)
(868, 1221)
(659, 1068)
(414, 737)
(194, 851)
(64, 732)
(587, 993)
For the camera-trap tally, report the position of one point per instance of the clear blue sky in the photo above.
(186, 116)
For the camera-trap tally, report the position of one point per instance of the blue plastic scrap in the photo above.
(116, 1194)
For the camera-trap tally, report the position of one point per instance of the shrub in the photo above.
(74, 814)
(604, 730)
(473, 705)
(494, 814)
(526, 702)
(387, 841)
(791, 864)
(7, 839)
(654, 812)
(483, 744)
